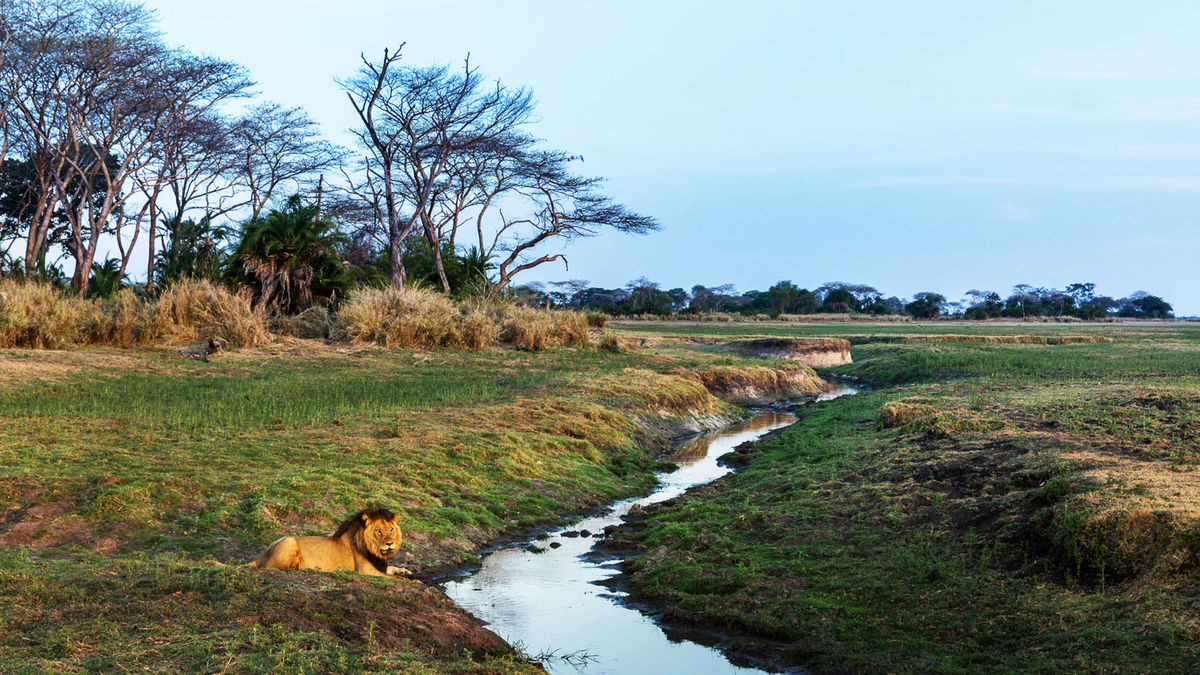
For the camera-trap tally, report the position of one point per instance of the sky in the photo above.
(914, 146)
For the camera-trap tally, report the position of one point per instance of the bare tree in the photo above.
(278, 148)
(193, 154)
(413, 121)
(34, 113)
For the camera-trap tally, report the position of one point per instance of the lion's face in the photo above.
(381, 536)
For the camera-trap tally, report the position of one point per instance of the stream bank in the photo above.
(549, 595)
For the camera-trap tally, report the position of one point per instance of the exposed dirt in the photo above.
(20, 366)
(812, 352)
(403, 615)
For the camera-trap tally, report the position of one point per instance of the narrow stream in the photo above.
(550, 602)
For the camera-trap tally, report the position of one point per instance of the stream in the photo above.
(550, 603)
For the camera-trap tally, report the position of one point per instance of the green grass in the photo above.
(164, 463)
(1037, 515)
(162, 614)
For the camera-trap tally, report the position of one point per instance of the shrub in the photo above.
(597, 319)
(193, 309)
(39, 316)
(312, 323)
(414, 317)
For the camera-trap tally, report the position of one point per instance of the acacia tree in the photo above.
(562, 206)
(193, 156)
(413, 122)
(100, 104)
(279, 148)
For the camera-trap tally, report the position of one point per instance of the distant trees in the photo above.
(926, 305)
(642, 296)
(1078, 300)
(1142, 305)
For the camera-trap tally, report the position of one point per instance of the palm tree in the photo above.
(106, 279)
(291, 256)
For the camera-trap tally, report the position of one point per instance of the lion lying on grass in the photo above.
(363, 544)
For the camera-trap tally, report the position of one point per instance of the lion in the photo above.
(363, 543)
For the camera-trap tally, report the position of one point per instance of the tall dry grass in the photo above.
(194, 309)
(416, 317)
(39, 316)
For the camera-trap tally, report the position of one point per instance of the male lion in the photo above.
(363, 544)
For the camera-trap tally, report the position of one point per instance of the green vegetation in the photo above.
(1007, 506)
(642, 298)
(128, 473)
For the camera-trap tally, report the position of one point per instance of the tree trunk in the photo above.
(153, 233)
(434, 246)
(396, 262)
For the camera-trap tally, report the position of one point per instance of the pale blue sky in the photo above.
(910, 145)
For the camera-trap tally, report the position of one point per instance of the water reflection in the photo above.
(551, 601)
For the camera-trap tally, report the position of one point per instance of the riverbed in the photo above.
(546, 597)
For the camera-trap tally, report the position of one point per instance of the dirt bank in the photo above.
(812, 352)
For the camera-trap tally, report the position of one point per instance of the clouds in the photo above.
(1141, 63)
(1170, 184)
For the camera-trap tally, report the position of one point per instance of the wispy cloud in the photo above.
(1177, 109)
(1148, 63)
(934, 181)
(1016, 212)
(1159, 151)
(1183, 184)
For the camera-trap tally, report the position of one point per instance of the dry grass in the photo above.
(538, 329)
(414, 317)
(197, 309)
(312, 323)
(916, 417)
(757, 385)
(420, 318)
(986, 339)
(38, 316)
(479, 331)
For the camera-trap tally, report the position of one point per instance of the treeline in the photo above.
(117, 148)
(642, 296)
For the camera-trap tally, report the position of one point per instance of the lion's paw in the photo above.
(394, 571)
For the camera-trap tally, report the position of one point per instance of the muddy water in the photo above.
(550, 602)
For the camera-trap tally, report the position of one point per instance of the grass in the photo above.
(39, 316)
(160, 613)
(127, 470)
(988, 506)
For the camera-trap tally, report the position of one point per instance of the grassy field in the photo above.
(987, 505)
(1014, 507)
(125, 471)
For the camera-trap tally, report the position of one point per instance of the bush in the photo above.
(39, 316)
(414, 317)
(193, 309)
(312, 323)
(597, 319)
